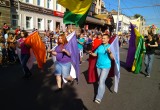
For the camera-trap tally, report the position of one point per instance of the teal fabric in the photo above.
(103, 60)
(80, 46)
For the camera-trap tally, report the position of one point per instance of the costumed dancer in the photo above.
(25, 54)
(103, 65)
(92, 72)
(63, 62)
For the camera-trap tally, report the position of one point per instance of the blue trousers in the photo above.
(24, 59)
(148, 61)
(102, 73)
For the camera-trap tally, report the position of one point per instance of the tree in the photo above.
(138, 15)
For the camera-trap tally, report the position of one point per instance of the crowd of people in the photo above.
(93, 42)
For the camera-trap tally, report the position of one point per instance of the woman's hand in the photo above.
(54, 53)
(65, 51)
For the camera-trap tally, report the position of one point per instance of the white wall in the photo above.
(125, 22)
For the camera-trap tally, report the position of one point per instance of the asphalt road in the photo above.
(136, 92)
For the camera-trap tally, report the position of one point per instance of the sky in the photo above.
(151, 14)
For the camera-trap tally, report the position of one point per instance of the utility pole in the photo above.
(118, 17)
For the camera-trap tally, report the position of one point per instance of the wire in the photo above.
(127, 7)
(141, 6)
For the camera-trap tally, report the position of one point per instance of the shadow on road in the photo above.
(38, 93)
(109, 83)
(123, 65)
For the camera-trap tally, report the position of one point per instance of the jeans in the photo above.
(62, 69)
(148, 60)
(102, 74)
(24, 59)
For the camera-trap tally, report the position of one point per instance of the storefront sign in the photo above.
(57, 13)
(4, 3)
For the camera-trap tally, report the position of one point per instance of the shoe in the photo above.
(71, 83)
(97, 101)
(148, 76)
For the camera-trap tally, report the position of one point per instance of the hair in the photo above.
(4, 23)
(10, 34)
(25, 33)
(64, 39)
(106, 35)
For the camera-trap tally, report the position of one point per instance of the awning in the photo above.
(107, 18)
(95, 20)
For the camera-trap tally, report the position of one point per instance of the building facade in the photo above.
(5, 12)
(37, 14)
(140, 24)
(93, 19)
(124, 23)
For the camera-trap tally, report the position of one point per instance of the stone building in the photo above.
(5, 12)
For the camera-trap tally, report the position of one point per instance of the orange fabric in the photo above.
(38, 47)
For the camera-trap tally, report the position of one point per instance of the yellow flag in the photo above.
(76, 6)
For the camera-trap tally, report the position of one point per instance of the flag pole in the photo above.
(118, 17)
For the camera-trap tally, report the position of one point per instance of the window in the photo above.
(48, 2)
(49, 24)
(38, 2)
(28, 22)
(40, 23)
(15, 21)
(57, 25)
(56, 5)
(27, 1)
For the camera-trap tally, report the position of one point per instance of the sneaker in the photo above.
(148, 76)
(97, 101)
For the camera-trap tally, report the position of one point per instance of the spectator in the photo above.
(103, 65)
(81, 42)
(17, 32)
(3, 51)
(6, 37)
(150, 44)
(5, 28)
(25, 54)
(11, 48)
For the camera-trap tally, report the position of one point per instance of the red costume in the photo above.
(92, 69)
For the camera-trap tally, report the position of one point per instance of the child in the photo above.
(81, 42)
